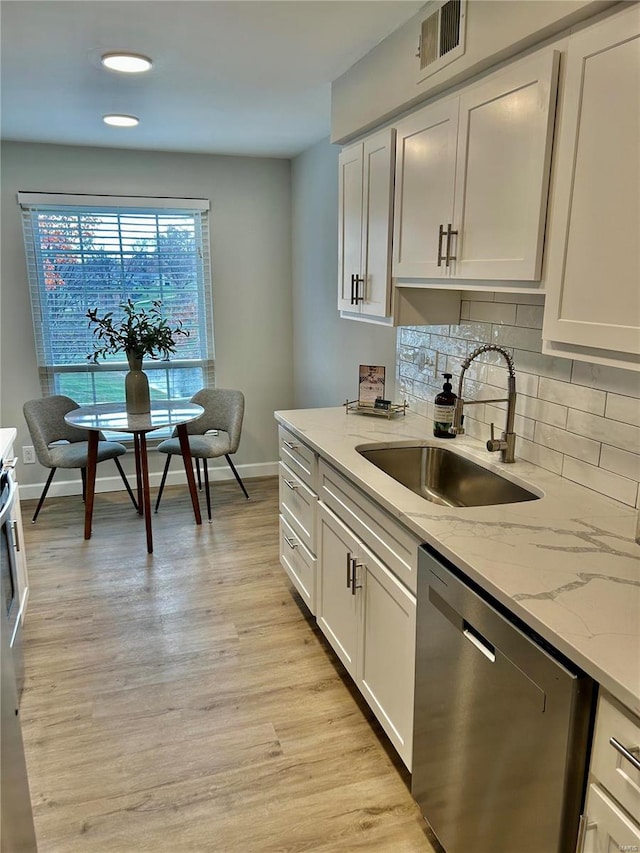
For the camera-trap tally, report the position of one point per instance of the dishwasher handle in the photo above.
(476, 639)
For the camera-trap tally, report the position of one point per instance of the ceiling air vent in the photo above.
(441, 36)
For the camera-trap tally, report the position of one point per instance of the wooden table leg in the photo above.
(137, 456)
(144, 464)
(188, 467)
(92, 462)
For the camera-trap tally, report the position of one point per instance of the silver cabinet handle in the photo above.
(585, 826)
(625, 753)
(450, 234)
(354, 585)
(293, 486)
(290, 444)
(358, 280)
(16, 539)
(440, 238)
(290, 541)
(348, 569)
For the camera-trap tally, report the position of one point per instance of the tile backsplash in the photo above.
(579, 420)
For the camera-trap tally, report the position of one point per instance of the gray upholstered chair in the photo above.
(215, 433)
(59, 445)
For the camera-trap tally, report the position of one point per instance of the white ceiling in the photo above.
(249, 77)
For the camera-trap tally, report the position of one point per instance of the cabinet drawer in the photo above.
(298, 457)
(298, 563)
(298, 506)
(388, 540)
(609, 766)
(608, 827)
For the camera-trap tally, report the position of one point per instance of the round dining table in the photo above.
(113, 417)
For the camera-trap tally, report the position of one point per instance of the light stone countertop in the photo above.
(7, 437)
(566, 564)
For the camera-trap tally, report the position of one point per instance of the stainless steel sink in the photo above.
(443, 476)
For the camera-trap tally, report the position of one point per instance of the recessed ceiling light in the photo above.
(116, 120)
(129, 63)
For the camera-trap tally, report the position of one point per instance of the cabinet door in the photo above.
(608, 827)
(593, 297)
(337, 608)
(502, 175)
(386, 650)
(424, 190)
(379, 160)
(350, 178)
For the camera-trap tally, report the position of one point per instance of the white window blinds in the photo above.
(86, 252)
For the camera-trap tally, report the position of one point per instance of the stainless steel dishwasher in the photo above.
(501, 727)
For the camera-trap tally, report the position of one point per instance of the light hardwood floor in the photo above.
(186, 701)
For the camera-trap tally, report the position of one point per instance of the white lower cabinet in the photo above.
(298, 471)
(611, 819)
(369, 618)
(608, 827)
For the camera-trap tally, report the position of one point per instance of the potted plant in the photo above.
(138, 333)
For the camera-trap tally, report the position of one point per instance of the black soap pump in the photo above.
(444, 406)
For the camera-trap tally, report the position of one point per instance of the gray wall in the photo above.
(251, 260)
(327, 349)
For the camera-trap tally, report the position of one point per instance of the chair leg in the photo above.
(163, 480)
(198, 474)
(206, 487)
(44, 494)
(83, 477)
(236, 475)
(125, 481)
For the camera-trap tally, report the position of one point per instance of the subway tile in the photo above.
(626, 409)
(450, 346)
(520, 298)
(443, 330)
(529, 316)
(515, 336)
(413, 337)
(613, 379)
(405, 353)
(613, 433)
(479, 332)
(454, 367)
(496, 414)
(543, 365)
(541, 410)
(573, 396)
(604, 482)
(493, 312)
(568, 443)
(620, 462)
(479, 295)
(544, 457)
(526, 383)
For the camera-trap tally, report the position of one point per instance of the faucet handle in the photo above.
(495, 443)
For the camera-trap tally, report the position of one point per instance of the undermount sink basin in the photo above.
(444, 477)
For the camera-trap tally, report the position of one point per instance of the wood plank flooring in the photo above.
(185, 700)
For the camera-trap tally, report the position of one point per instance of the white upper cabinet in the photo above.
(593, 272)
(365, 219)
(425, 183)
(472, 176)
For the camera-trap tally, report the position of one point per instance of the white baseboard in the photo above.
(176, 476)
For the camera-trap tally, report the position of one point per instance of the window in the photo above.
(98, 251)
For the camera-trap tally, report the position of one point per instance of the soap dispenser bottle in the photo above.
(445, 403)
